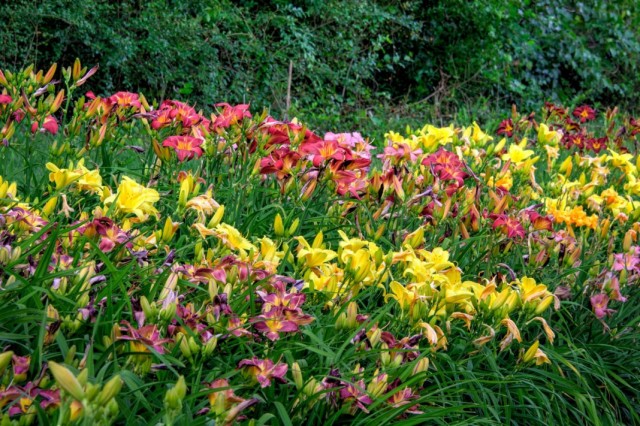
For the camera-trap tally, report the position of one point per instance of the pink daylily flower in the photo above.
(185, 146)
(264, 370)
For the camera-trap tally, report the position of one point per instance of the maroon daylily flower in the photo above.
(506, 127)
(584, 113)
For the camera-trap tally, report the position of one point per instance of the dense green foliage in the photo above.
(347, 55)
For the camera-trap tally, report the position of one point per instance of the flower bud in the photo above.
(66, 380)
(217, 217)
(278, 226)
(544, 304)
(531, 352)
(210, 346)
(110, 390)
(76, 410)
(184, 345)
(296, 372)
(174, 396)
(293, 227)
(5, 359)
(48, 208)
(421, 366)
(150, 311)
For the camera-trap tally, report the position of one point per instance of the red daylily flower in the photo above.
(506, 127)
(511, 226)
(553, 109)
(185, 146)
(635, 126)
(126, 100)
(281, 162)
(5, 99)
(447, 166)
(584, 113)
(539, 221)
(597, 144)
(48, 125)
(230, 115)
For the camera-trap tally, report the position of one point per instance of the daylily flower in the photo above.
(355, 395)
(273, 323)
(230, 115)
(506, 128)
(517, 154)
(126, 100)
(509, 225)
(143, 338)
(5, 99)
(627, 261)
(225, 404)
(548, 136)
(404, 397)
(134, 198)
(110, 234)
(599, 304)
(185, 146)
(447, 166)
(584, 113)
(48, 125)
(264, 370)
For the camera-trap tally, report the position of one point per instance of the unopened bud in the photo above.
(296, 372)
(293, 227)
(217, 217)
(66, 380)
(421, 366)
(278, 226)
(110, 390)
(5, 359)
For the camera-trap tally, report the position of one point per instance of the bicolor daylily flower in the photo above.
(264, 370)
(186, 147)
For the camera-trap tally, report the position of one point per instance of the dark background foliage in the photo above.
(351, 58)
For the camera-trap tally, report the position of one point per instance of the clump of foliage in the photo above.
(349, 59)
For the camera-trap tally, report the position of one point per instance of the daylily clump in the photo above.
(281, 270)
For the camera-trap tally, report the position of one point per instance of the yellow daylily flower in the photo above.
(517, 154)
(232, 238)
(478, 136)
(133, 198)
(547, 136)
